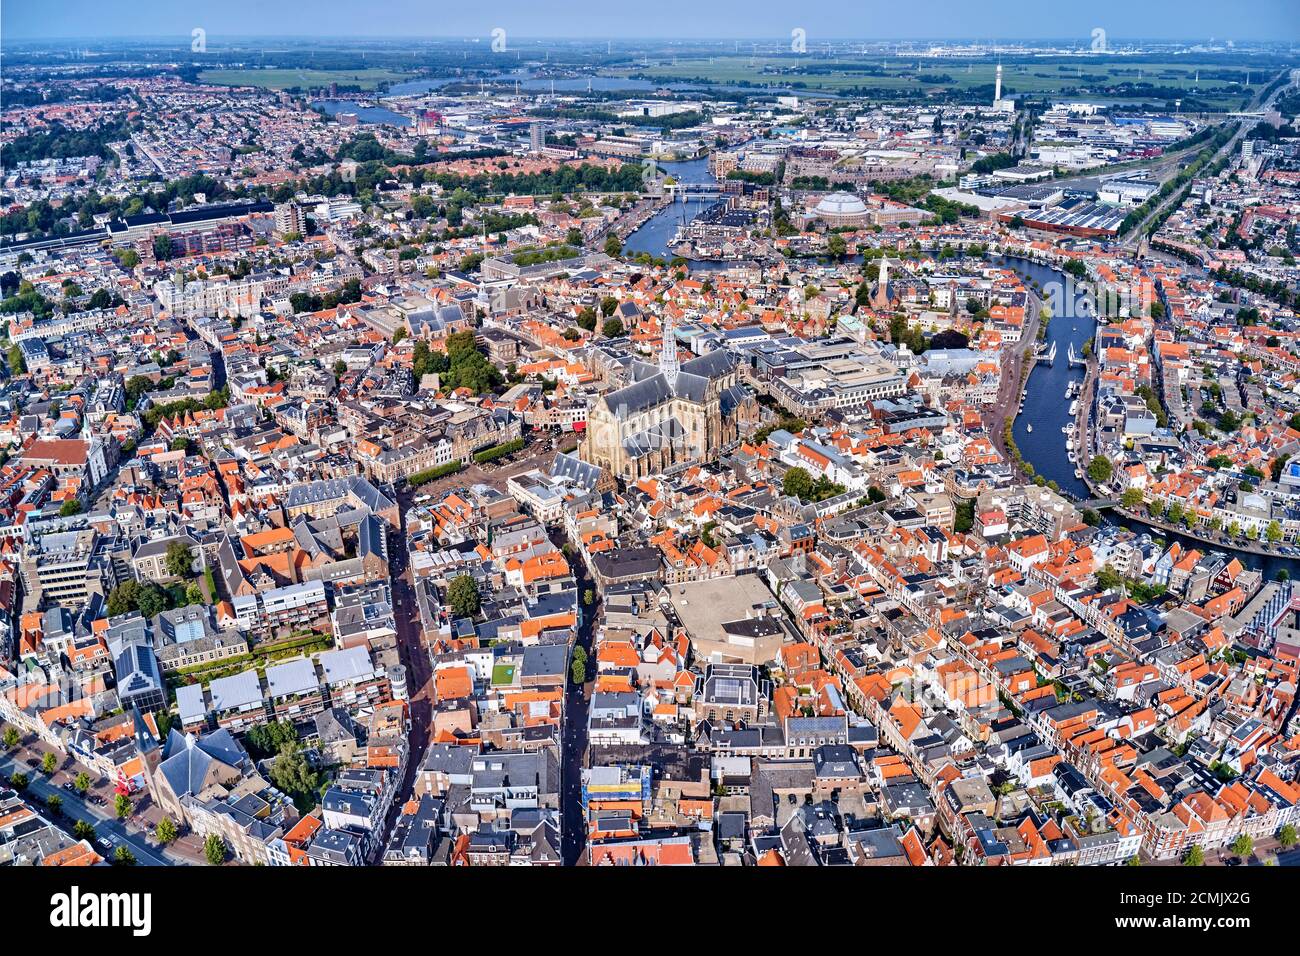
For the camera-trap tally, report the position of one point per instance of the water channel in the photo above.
(1047, 410)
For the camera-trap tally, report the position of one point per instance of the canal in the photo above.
(1046, 410)
(656, 236)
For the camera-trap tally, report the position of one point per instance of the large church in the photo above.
(671, 414)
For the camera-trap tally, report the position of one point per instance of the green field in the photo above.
(503, 675)
(276, 79)
(1223, 85)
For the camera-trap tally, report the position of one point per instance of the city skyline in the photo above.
(1196, 21)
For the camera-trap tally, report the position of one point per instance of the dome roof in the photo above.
(840, 204)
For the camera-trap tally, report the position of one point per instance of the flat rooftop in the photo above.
(704, 606)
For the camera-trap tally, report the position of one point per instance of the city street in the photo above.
(573, 744)
(76, 807)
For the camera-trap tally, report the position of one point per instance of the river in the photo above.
(1047, 410)
(369, 115)
(657, 234)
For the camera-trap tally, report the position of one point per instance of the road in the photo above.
(1012, 385)
(573, 734)
(76, 808)
(419, 669)
(1243, 124)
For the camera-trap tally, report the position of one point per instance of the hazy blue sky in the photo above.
(991, 19)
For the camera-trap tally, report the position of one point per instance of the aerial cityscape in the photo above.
(748, 440)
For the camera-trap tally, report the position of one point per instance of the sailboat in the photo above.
(1029, 428)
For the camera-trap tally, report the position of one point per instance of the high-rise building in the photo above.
(288, 218)
(537, 137)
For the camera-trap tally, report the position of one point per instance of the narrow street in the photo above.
(573, 738)
(419, 670)
(76, 807)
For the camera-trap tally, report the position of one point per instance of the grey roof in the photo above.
(187, 758)
(661, 435)
(136, 669)
(581, 473)
(315, 492)
(350, 664)
(189, 701)
(542, 660)
(291, 677)
(238, 690)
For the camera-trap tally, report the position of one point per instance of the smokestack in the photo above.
(997, 85)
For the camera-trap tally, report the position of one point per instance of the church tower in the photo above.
(668, 363)
(882, 299)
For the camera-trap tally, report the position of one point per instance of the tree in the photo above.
(179, 559)
(1286, 836)
(1273, 533)
(83, 830)
(588, 596)
(55, 804)
(11, 738)
(162, 247)
(463, 596)
(797, 483)
(293, 774)
(1108, 579)
(18, 780)
(214, 850)
(1100, 469)
(82, 783)
(612, 328)
(608, 306)
(122, 806)
(1194, 857)
(122, 856)
(266, 740)
(613, 247)
(70, 507)
(17, 364)
(49, 763)
(132, 595)
(1131, 498)
(836, 246)
(1243, 845)
(165, 832)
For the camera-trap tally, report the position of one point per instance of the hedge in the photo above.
(433, 474)
(499, 451)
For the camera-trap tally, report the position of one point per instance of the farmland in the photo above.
(1213, 85)
(279, 79)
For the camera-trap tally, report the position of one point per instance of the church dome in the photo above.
(840, 204)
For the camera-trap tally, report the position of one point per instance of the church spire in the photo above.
(668, 363)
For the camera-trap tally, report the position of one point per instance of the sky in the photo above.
(688, 19)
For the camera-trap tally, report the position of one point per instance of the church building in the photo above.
(671, 414)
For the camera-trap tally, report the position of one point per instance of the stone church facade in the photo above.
(669, 415)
